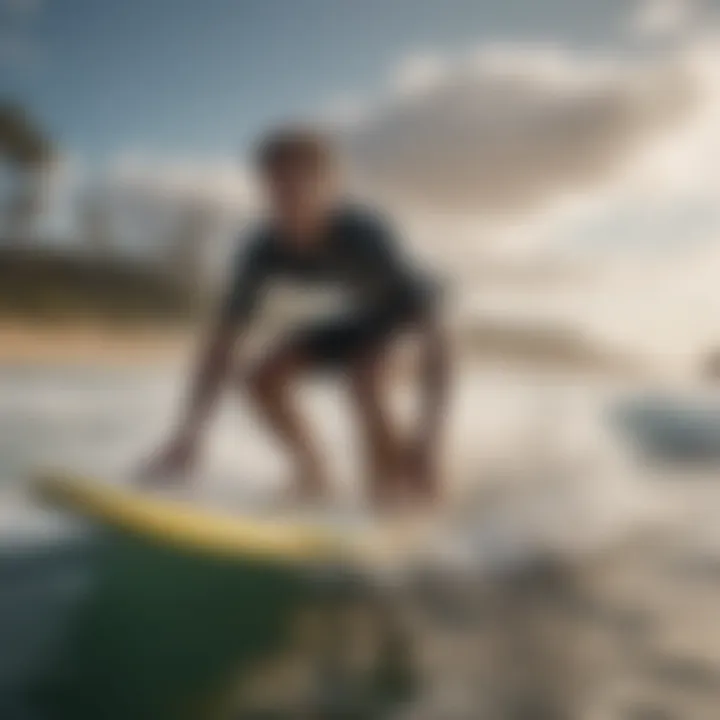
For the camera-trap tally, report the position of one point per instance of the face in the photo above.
(298, 195)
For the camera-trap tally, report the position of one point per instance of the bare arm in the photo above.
(179, 454)
(217, 352)
(212, 369)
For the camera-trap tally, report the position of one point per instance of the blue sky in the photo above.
(195, 77)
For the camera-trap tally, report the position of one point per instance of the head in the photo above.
(298, 171)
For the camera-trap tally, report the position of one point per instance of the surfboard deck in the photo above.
(183, 525)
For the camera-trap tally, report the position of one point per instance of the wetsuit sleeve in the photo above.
(251, 268)
(397, 281)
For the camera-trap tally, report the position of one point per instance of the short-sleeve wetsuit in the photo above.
(358, 253)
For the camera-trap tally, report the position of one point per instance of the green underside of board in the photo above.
(185, 611)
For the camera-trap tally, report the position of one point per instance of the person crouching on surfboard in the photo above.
(315, 236)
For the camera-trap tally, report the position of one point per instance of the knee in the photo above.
(264, 380)
(366, 379)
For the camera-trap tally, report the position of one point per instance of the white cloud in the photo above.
(215, 181)
(651, 238)
(512, 128)
(419, 72)
(608, 165)
(661, 18)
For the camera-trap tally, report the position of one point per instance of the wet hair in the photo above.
(295, 146)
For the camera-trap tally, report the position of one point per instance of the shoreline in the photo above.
(37, 343)
(116, 344)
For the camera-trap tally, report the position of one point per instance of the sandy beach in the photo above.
(88, 342)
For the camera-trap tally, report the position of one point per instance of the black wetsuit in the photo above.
(358, 253)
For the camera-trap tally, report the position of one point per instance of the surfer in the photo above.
(315, 236)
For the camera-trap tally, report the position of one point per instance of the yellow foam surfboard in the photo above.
(186, 526)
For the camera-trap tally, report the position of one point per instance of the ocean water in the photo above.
(537, 463)
(527, 432)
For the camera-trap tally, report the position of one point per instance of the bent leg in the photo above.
(270, 385)
(383, 454)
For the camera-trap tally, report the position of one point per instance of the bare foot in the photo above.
(419, 474)
(385, 487)
(310, 486)
(170, 466)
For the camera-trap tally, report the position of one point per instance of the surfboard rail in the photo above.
(184, 526)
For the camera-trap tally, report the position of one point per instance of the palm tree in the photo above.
(25, 152)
